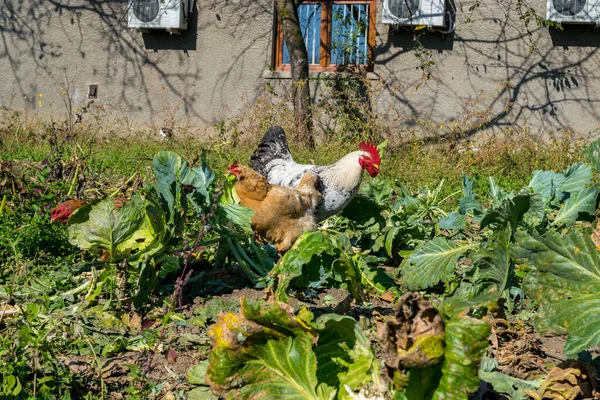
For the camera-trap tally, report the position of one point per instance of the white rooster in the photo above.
(338, 182)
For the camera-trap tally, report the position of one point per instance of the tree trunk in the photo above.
(287, 11)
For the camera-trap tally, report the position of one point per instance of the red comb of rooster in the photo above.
(372, 150)
(234, 165)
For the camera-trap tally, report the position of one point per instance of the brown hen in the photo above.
(281, 214)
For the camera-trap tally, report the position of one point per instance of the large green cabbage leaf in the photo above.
(432, 262)
(494, 268)
(345, 358)
(113, 233)
(577, 177)
(320, 260)
(267, 352)
(583, 202)
(565, 281)
(513, 209)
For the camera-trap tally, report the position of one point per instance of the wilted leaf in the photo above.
(415, 343)
(432, 262)
(197, 374)
(7, 312)
(569, 380)
(201, 393)
(596, 236)
(515, 388)
(415, 337)
(565, 283)
(171, 356)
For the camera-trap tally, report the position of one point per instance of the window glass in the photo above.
(336, 33)
(349, 29)
(309, 16)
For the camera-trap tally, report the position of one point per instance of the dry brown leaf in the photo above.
(596, 236)
(171, 356)
(569, 380)
(7, 311)
(415, 337)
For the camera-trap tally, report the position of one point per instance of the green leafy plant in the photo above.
(432, 262)
(319, 260)
(265, 349)
(139, 237)
(565, 281)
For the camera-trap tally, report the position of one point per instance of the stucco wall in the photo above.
(206, 74)
(491, 73)
(496, 69)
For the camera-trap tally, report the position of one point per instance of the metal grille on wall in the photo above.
(146, 10)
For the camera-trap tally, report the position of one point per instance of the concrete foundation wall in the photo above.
(491, 73)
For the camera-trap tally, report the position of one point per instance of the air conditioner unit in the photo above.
(574, 11)
(414, 12)
(171, 15)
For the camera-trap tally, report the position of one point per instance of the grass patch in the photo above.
(413, 164)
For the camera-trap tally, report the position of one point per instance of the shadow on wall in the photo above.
(159, 39)
(576, 35)
(405, 39)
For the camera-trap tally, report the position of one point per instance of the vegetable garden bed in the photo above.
(406, 294)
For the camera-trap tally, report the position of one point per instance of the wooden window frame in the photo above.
(325, 45)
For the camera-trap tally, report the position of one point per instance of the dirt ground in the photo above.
(517, 348)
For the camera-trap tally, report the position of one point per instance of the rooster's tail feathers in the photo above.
(273, 146)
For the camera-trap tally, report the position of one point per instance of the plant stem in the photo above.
(122, 278)
(74, 181)
(74, 291)
(251, 275)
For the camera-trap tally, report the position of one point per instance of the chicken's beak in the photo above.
(374, 171)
